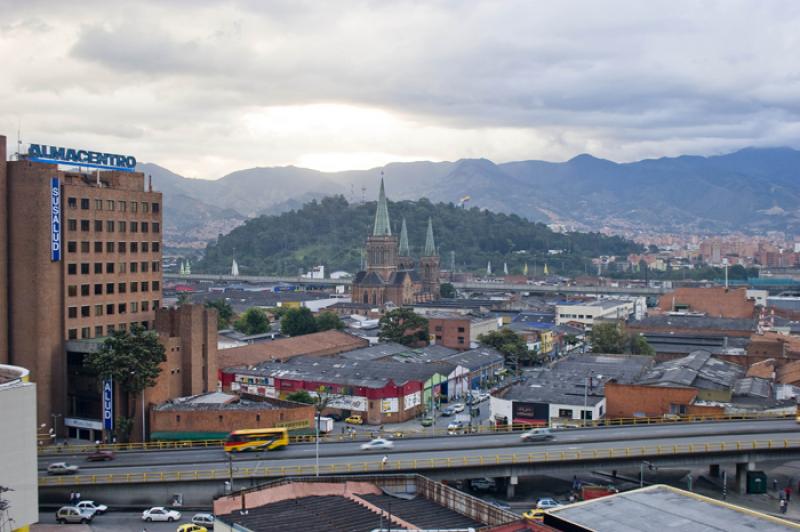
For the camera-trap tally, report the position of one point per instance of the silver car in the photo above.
(540, 434)
(73, 514)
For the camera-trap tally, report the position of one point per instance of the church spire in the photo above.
(404, 251)
(430, 246)
(382, 227)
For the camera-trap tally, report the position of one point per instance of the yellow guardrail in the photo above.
(419, 432)
(376, 465)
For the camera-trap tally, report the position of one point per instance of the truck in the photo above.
(325, 424)
(589, 491)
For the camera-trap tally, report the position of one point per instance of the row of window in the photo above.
(99, 289)
(86, 332)
(113, 225)
(109, 309)
(110, 267)
(113, 205)
(114, 247)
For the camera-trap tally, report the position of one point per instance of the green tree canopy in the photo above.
(132, 359)
(224, 312)
(298, 321)
(252, 321)
(301, 396)
(511, 345)
(612, 338)
(403, 326)
(329, 320)
(448, 290)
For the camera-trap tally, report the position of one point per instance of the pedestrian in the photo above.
(72, 497)
(783, 506)
(384, 460)
(788, 491)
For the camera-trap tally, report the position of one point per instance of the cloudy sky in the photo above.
(205, 88)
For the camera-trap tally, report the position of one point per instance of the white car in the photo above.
(537, 434)
(61, 468)
(483, 397)
(457, 407)
(377, 443)
(547, 503)
(455, 426)
(93, 506)
(159, 513)
(203, 519)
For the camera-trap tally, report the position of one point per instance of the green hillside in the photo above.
(332, 232)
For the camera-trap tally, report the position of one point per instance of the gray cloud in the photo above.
(209, 87)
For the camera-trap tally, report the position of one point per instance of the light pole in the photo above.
(316, 445)
(586, 396)
(641, 471)
(55, 426)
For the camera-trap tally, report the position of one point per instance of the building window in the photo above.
(156, 207)
(134, 307)
(72, 246)
(156, 286)
(145, 266)
(109, 247)
(123, 326)
(110, 226)
(145, 225)
(110, 205)
(98, 246)
(110, 310)
(438, 337)
(123, 205)
(84, 268)
(145, 247)
(98, 268)
(85, 226)
(85, 333)
(122, 308)
(85, 289)
(98, 204)
(134, 206)
(122, 247)
(134, 286)
(156, 247)
(134, 247)
(72, 268)
(109, 288)
(145, 286)
(109, 330)
(85, 311)
(122, 288)
(72, 312)
(72, 334)
(461, 329)
(122, 226)
(134, 267)
(98, 331)
(123, 267)
(109, 267)
(156, 266)
(98, 226)
(85, 204)
(438, 328)
(72, 290)
(258, 416)
(177, 416)
(72, 203)
(461, 340)
(586, 415)
(155, 304)
(565, 413)
(98, 311)
(156, 227)
(134, 227)
(145, 306)
(72, 224)
(98, 289)
(145, 207)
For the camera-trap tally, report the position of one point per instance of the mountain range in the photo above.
(752, 190)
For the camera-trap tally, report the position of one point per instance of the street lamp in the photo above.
(650, 466)
(55, 426)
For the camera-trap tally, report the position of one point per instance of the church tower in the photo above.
(381, 245)
(429, 265)
(404, 260)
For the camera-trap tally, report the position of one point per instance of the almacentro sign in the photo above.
(92, 159)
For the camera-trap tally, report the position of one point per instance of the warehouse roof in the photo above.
(697, 370)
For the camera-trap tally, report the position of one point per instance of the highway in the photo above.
(446, 447)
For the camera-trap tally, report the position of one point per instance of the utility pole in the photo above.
(230, 471)
(55, 426)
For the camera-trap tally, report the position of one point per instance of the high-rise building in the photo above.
(83, 256)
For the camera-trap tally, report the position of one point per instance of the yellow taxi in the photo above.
(534, 514)
(354, 420)
(190, 527)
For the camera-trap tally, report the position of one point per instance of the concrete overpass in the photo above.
(476, 286)
(204, 471)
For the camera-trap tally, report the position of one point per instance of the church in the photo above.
(391, 274)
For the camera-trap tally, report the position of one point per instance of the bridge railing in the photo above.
(375, 464)
(415, 433)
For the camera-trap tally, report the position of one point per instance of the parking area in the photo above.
(109, 522)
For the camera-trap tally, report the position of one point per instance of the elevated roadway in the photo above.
(476, 286)
(452, 457)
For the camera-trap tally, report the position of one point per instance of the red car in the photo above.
(100, 456)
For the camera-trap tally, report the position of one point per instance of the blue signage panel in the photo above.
(108, 405)
(92, 159)
(55, 219)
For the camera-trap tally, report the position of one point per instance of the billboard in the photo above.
(108, 405)
(55, 219)
(42, 153)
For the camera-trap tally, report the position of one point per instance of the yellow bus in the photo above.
(256, 440)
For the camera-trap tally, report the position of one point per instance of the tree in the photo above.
(608, 338)
(252, 321)
(448, 290)
(183, 298)
(328, 320)
(131, 359)
(403, 326)
(301, 396)
(511, 345)
(639, 345)
(298, 321)
(224, 312)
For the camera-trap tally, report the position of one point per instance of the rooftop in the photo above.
(218, 401)
(321, 343)
(666, 321)
(661, 507)
(697, 370)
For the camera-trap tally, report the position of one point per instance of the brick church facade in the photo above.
(391, 274)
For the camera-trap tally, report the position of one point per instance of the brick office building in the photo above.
(82, 257)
